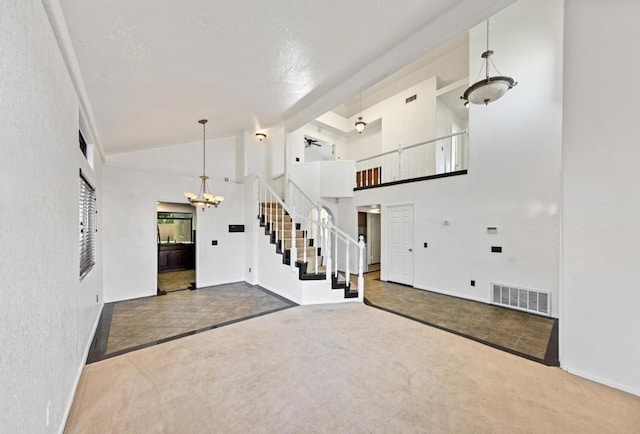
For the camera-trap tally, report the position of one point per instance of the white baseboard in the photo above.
(67, 410)
(454, 294)
(600, 380)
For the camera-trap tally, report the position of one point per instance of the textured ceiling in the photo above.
(152, 68)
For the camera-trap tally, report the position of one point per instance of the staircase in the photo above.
(317, 252)
(278, 226)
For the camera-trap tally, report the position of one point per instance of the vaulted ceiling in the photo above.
(152, 68)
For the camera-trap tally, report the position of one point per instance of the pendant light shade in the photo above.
(204, 199)
(489, 88)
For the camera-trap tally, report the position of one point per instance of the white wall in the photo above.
(364, 145)
(601, 194)
(130, 256)
(184, 159)
(48, 315)
(514, 173)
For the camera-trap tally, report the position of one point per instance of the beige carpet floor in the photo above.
(339, 369)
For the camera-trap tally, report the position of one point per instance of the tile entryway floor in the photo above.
(176, 280)
(134, 324)
(528, 335)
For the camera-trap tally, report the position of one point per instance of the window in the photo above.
(83, 144)
(87, 213)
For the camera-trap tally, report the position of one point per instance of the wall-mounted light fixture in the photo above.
(260, 135)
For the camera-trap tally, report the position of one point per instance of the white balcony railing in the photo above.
(444, 154)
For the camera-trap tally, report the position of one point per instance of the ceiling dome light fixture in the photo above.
(360, 124)
(204, 199)
(488, 89)
(260, 135)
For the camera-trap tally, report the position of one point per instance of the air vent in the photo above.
(411, 98)
(530, 300)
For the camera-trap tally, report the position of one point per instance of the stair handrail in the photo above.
(332, 229)
(324, 239)
(302, 193)
(303, 209)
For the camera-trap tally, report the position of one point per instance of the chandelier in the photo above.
(488, 89)
(204, 199)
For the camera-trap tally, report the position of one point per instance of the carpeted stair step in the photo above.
(287, 235)
(279, 218)
(300, 243)
(311, 253)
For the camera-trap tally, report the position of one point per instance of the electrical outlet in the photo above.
(425, 245)
(473, 283)
(496, 249)
(214, 242)
(249, 269)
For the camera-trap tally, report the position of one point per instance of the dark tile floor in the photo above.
(528, 335)
(133, 324)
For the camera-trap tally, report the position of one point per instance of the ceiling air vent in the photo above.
(411, 98)
(530, 300)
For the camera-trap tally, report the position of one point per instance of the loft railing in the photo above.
(336, 247)
(444, 154)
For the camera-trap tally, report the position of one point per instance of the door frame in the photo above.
(384, 233)
(369, 232)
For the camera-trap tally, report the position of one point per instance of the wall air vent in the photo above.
(530, 300)
(411, 98)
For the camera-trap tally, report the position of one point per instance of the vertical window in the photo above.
(83, 144)
(87, 213)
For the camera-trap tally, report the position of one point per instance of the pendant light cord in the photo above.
(204, 126)
(488, 57)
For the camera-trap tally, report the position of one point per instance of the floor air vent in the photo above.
(531, 300)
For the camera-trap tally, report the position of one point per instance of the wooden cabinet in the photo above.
(175, 257)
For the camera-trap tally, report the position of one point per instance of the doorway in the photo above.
(175, 223)
(369, 227)
(398, 250)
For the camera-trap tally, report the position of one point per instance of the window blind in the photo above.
(87, 214)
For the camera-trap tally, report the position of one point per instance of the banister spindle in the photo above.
(293, 253)
(335, 251)
(282, 227)
(347, 274)
(399, 161)
(305, 242)
(317, 224)
(328, 246)
(360, 268)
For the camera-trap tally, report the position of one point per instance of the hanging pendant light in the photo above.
(488, 89)
(204, 199)
(360, 124)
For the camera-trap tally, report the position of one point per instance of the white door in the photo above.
(373, 237)
(399, 244)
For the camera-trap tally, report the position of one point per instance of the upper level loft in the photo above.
(415, 124)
